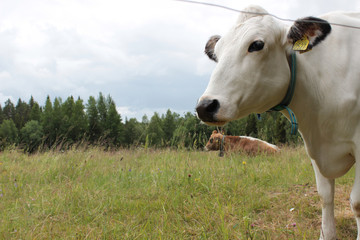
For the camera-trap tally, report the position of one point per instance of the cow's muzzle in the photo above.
(206, 110)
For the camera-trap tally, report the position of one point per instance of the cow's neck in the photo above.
(284, 104)
(306, 101)
(290, 91)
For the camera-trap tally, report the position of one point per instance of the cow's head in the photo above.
(214, 142)
(252, 72)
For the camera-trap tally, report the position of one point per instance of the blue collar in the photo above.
(289, 95)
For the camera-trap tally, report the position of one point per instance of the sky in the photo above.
(146, 54)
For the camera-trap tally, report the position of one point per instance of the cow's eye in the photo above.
(256, 46)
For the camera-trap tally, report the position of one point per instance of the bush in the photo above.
(31, 135)
(8, 133)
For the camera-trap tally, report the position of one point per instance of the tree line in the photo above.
(62, 124)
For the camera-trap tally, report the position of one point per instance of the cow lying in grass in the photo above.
(245, 144)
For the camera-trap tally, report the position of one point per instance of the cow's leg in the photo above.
(355, 197)
(325, 189)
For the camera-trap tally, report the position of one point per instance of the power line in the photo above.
(263, 14)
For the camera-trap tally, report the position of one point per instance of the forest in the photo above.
(71, 123)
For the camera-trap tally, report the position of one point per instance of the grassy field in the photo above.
(164, 194)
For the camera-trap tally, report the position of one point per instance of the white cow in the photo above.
(252, 75)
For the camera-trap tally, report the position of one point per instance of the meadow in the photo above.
(164, 194)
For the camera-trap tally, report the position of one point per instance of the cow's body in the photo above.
(326, 100)
(248, 145)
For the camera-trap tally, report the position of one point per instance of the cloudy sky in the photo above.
(147, 54)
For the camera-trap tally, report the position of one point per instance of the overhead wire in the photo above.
(263, 14)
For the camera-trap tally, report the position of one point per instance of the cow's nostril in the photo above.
(213, 106)
(207, 108)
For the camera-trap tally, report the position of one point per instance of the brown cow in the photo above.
(245, 144)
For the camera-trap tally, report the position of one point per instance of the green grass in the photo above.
(164, 194)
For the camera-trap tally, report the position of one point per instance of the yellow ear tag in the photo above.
(302, 44)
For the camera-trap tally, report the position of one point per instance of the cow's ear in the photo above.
(214, 132)
(306, 33)
(210, 46)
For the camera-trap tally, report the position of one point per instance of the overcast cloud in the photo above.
(147, 54)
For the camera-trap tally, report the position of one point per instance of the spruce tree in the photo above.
(68, 107)
(31, 102)
(102, 110)
(46, 121)
(58, 132)
(35, 112)
(22, 114)
(94, 129)
(113, 126)
(9, 110)
(79, 121)
(67, 126)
